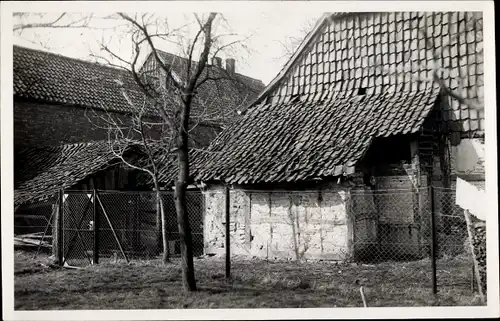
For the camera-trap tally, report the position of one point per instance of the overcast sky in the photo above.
(264, 29)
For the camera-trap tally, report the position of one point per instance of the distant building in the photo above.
(58, 106)
(61, 141)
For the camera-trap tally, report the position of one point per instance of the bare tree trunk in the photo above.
(188, 279)
(161, 223)
(158, 226)
(164, 232)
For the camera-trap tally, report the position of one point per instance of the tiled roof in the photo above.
(52, 78)
(303, 140)
(179, 66)
(218, 100)
(384, 51)
(41, 172)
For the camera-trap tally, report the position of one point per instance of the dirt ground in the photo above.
(254, 284)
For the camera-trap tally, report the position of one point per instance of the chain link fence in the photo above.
(109, 226)
(390, 224)
(396, 225)
(359, 226)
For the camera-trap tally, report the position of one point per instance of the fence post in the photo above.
(95, 251)
(60, 236)
(433, 241)
(228, 242)
(55, 228)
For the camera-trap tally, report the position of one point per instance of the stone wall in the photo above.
(304, 225)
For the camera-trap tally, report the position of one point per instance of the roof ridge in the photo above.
(93, 63)
(208, 64)
(303, 45)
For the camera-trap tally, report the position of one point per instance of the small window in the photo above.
(361, 91)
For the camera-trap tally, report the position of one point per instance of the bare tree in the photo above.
(171, 89)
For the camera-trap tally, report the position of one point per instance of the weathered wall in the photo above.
(404, 215)
(40, 124)
(280, 224)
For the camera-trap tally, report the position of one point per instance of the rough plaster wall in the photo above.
(300, 225)
(214, 226)
(280, 224)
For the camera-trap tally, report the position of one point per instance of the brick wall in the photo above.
(38, 124)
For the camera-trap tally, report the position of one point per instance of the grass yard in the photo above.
(254, 284)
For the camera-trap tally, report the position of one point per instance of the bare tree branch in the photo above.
(79, 23)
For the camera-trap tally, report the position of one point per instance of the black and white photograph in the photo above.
(190, 159)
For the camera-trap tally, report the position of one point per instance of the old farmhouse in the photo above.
(354, 111)
(59, 138)
(57, 101)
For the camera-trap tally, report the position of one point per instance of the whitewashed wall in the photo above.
(309, 225)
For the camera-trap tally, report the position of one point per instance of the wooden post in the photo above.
(95, 258)
(60, 233)
(55, 225)
(350, 225)
(417, 218)
(476, 265)
(472, 274)
(228, 231)
(433, 242)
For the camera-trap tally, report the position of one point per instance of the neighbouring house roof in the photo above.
(53, 78)
(41, 172)
(218, 99)
(231, 80)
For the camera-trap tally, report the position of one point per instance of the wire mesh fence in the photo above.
(390, 224)
(402, 225)
(111, 226)
(365, 226)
